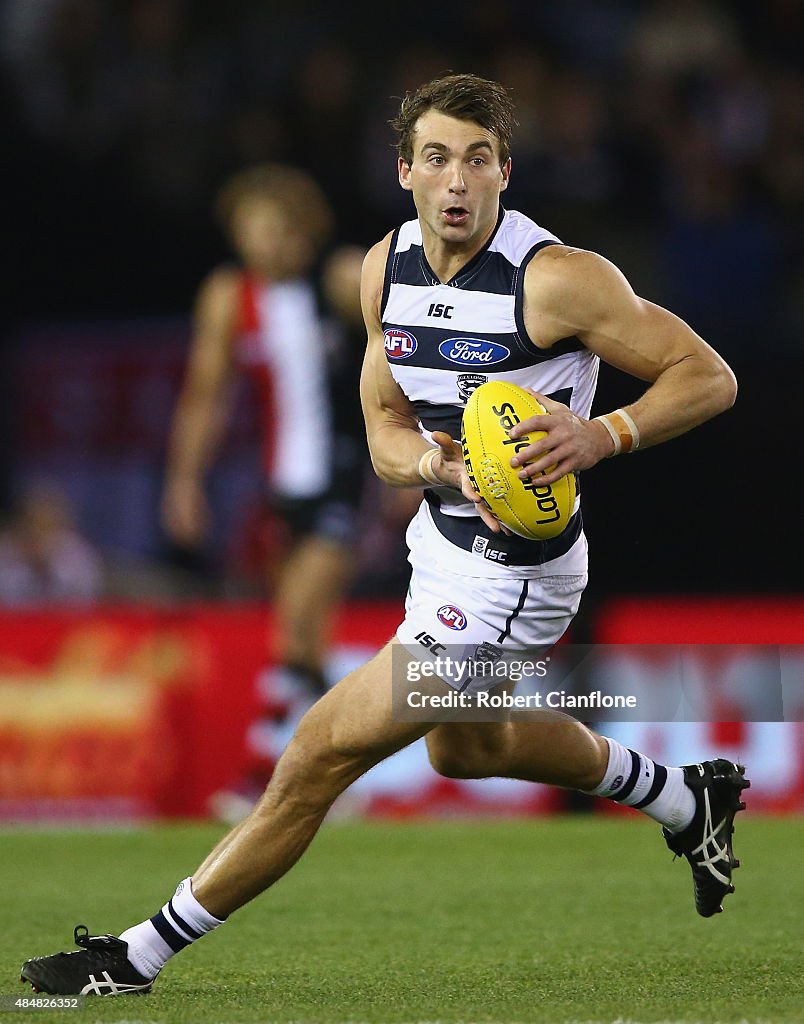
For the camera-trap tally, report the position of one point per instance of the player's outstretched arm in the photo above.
(570, 292)
(400, 455)
(202, 408)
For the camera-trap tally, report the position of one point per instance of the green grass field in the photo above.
(549, 920)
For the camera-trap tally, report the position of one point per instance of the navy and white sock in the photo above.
(181, 921)
(634, 780)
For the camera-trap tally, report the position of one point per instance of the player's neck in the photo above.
(447, 258)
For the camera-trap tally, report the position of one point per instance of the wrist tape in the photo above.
(622, 429)
(426, 467)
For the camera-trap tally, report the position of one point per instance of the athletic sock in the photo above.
(181, 921)
(636, 781)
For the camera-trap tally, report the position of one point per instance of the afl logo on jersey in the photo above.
(473, 351)
(399, 344)
(451, 617)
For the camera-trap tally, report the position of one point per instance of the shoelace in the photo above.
(96, 944)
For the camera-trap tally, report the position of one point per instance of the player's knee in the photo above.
(453, 766)
(304, 784)
(322, 761)
(453, 762)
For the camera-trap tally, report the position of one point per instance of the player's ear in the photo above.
(505, 170)
(404, 174)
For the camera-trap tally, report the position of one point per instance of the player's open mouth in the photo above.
(455, 215)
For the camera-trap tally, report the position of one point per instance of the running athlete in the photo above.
(467, 271)
(262, 318)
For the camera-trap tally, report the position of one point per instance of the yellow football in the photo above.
(532, 510)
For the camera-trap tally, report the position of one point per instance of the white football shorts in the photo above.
(481, 617)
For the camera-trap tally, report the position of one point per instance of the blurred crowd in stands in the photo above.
(666, 134)
(677, 122)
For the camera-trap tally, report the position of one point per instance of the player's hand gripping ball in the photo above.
(526, 507)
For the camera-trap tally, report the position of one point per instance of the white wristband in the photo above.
(426, 467)
(622, 429)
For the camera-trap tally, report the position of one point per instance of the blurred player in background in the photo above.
(263, 317)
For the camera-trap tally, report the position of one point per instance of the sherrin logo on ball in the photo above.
(530, 509)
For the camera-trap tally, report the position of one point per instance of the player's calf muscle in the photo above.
(562, 753)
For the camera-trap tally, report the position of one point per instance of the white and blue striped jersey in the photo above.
(442, 340)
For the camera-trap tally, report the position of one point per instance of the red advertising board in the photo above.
(135, 713)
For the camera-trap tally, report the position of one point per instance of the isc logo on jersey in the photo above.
(399, 344)
(451, 617)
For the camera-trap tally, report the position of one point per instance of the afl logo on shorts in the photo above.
(399, 344)
(451, 617)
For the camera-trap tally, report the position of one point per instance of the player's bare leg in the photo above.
(560, 752)
(309, 587)
(347, 732)
(350, 729)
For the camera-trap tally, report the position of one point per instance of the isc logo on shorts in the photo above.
(399, 344)
(451, 617)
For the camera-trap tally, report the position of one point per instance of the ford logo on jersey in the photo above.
(451, 617)
(399, 344)
(473, 351)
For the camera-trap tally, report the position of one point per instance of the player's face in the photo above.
(268, 241)
(456, 179)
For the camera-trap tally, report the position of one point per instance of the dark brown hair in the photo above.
(292, 189)
(467, 97)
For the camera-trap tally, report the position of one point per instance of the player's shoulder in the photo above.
(557, 271)
(403, 238)
(222, 285)
(377, 255)
(219, 300)
(373, 274)
(517, 236)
